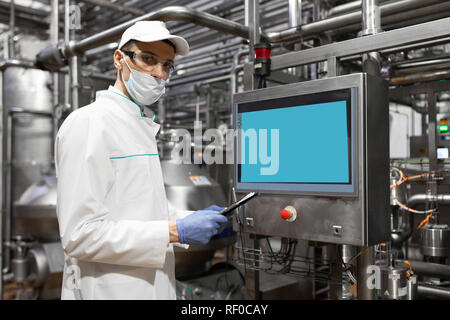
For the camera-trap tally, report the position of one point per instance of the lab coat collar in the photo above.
(128, 105)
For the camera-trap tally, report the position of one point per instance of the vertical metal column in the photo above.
(432, 186)
(252, 21)
(432, 130)
(371, 64)
(295, 13)
(12, 25)
(366, 258)
(316, 17)
(295, 19)
(335, 292)
(66, 40)
(54, 38)
(371, 21)
(348, 252)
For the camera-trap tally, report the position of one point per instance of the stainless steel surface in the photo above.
(385, 40)
(115, 6)
(165, 14)
(364, 216)
(426, 291)
(38, 265)
(435, 240)
(210, 65)
(54, 38)
(12, 26)
(32, 135)
(421, 77)
(348, 252)
(412, 284)
(345, 8)
(29, 206)
(365, 259)
(371, 18)
(252, 14)
(337, 22)
(295, 13)
(29, 153)
(393, 283)
(231, 27)
(74, 82)
(36, 210)
(437, 270)
(183, 194)
(432, 131)
(416, 199)
(181, 191)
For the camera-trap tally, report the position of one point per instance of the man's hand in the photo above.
(200, 226)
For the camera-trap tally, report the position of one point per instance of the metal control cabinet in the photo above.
(359, 218)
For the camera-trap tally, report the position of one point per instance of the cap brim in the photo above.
(181, 45)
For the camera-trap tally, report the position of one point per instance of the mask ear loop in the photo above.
(123, 57)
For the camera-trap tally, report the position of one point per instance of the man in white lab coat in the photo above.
(115, 224)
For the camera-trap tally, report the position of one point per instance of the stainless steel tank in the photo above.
(28, 181)
(435, 240)
(393, 283)
(27, 89)
(190, 187)
(36, 210)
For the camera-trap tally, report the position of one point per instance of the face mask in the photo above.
(143, 88)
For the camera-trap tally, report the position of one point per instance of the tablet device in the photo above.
(239, 203)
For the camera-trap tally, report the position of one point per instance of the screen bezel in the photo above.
(326, 189)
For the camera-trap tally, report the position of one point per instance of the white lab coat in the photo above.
(112, 208)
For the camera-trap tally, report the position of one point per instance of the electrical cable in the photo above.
(403, 179)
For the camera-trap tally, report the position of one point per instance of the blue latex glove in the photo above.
(218, 209)
(215, 208)
(200, 226)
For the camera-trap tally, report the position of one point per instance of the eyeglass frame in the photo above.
(132, 55)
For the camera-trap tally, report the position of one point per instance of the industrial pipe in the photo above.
(421, 77)
(429, 269)
(403, 16)
(423, 198)
(166, 14)
(115, 6)
(426, 291)
(54, 37)
(346, 8)
(12, 25)
(413, 202)
(57, 56)
(342, 21)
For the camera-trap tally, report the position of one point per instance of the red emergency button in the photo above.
(289, 214)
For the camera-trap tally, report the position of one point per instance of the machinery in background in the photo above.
(32, 257)
(343, 119)
(401, 243)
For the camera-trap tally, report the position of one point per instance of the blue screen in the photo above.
(298, 144)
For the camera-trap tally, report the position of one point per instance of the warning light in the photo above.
(443, 125)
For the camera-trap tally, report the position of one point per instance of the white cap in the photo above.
(150, 31)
